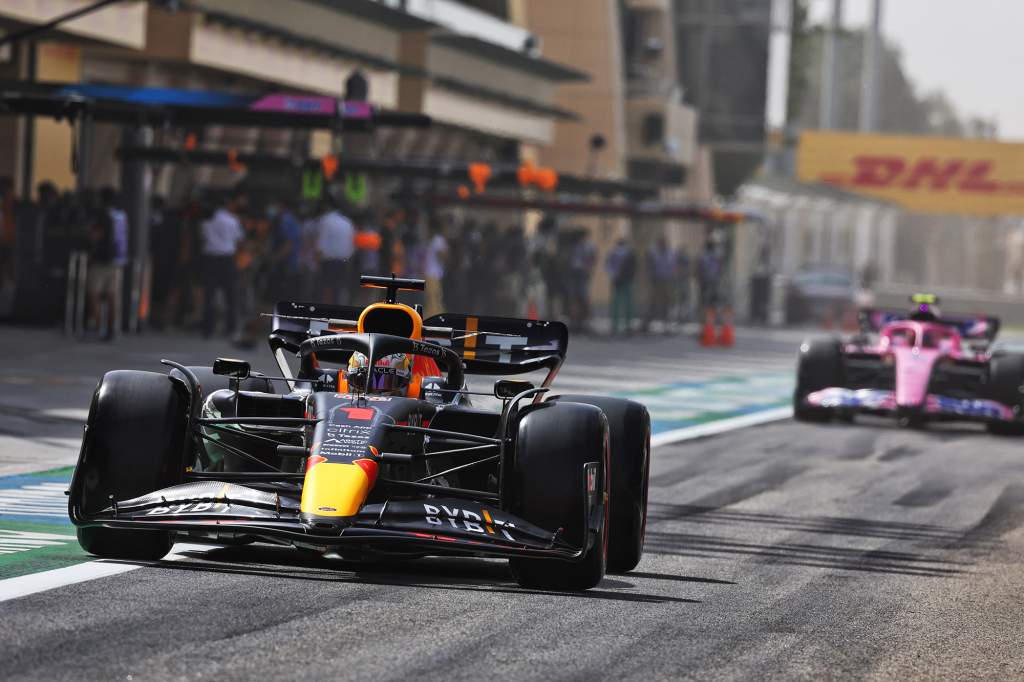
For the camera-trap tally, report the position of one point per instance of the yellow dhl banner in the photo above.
(925, 174)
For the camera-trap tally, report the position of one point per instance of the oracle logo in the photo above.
(878, 171)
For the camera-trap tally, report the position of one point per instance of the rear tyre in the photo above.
(629, 426)
(1005, 383)
(548, 489)
(133, 445)
(819, 365)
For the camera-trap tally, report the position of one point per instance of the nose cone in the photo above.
(333, 491)
(913, 372)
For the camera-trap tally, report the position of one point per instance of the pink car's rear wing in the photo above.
(971, 328)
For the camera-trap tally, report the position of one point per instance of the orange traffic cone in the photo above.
(707, 334)
(727, 335)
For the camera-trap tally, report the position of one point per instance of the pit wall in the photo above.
(973, 264)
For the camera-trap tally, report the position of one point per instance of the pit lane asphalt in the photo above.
(785, 550)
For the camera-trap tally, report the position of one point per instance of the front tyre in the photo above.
(629, 426)
(819, 366)
(1005, 385)
(548, 489)
(133, 445)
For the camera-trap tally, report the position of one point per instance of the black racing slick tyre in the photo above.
(1005, 385)
(629, 426)
(133, 445)
(548, 489)
(819, 365)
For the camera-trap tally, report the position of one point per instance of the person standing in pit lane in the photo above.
(683, 306)
(164, 251)
(119, 225)
(286, 240)
(435, 259)
(7, 243)
(221, 235)
(661, 271)
(709, 274)
(621, 268)
(335, 244)
(100, 279)
(584, 257)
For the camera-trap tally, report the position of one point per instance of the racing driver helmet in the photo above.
(926, 308)
(390, 374)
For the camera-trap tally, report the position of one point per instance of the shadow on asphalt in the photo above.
(830, 525)
(24, 422)
(678, 578)
(802, 554)
(467, 575)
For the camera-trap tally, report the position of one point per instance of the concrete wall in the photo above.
(57, 62)
(590, 41)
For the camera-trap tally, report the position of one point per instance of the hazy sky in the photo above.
(971, 49)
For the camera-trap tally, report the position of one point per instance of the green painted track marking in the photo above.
(684, 404)
(28, 547)
(35, 532)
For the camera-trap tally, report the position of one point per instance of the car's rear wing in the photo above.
(487, 345)
(500, 345)
(295, 322)
(971, 328)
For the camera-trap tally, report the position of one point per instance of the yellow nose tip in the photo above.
(334, 489)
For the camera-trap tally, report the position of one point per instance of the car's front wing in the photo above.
(430, 525)
(882, 401)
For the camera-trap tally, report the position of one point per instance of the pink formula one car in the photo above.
(921, 367)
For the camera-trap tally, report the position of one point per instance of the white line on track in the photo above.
(718, 426)
(71, 413)
(24, 585)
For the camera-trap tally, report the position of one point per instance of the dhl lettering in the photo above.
(977, 179)
(924, 174)
(941, 175)
(877, 171)
(938, 174)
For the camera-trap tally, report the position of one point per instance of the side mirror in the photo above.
(506, 389)
(229, 367)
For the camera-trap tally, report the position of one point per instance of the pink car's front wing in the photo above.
(876, 400)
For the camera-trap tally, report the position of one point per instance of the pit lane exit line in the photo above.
(24, 585)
